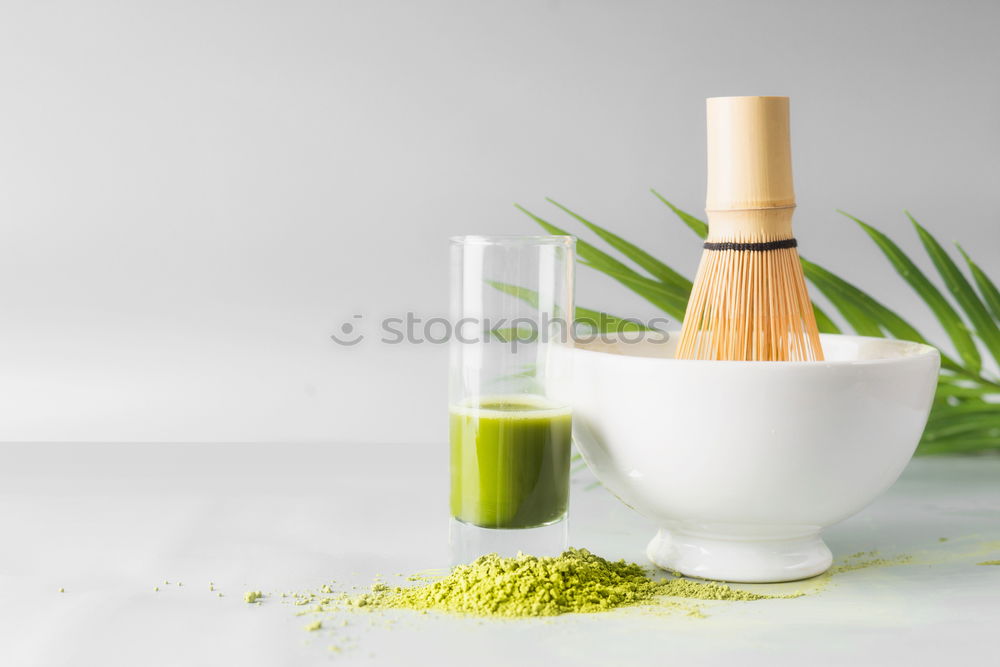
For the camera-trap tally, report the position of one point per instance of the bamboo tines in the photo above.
(749, 300)
(750, 305)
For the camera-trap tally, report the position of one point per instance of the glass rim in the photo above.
(514, 239)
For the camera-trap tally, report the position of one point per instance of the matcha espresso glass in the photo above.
(512, 314)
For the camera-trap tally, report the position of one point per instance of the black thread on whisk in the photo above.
(752, 247)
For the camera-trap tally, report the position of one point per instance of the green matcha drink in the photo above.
(510, 367)
(510, 462)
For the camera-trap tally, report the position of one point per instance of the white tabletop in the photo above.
(108, 523)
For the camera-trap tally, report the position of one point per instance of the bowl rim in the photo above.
(920, 352)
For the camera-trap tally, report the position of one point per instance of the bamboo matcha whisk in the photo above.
(749, 301)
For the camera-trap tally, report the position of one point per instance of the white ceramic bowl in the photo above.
(741, 464)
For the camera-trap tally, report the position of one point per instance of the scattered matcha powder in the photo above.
(575, 582)
(315, 625)
(252, 596)
(989, 562)
(854, 562)
(710, 590)
(62, 590)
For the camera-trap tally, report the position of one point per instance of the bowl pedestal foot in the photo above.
(740, 559)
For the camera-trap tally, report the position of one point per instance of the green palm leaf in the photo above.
(985, 285)
(610, 266)
(953, 324)
(868, 313)
(850, 308)
(605, 323)
(983, 425)
(655, 267)
(823, 321)
(699, 227)
(963, 410)
(647, 287)
(961, 444)
(960, 288)
(946, 390)
(602, 322)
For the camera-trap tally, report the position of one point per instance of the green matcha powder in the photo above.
(575, 582)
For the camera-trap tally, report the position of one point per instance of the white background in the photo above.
(195, 195)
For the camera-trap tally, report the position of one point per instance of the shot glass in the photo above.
(510, 421)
